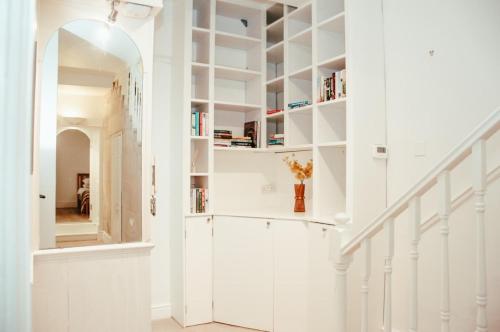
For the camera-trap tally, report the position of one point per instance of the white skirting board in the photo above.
(161, 311)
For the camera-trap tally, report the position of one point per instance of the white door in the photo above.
(116, 187)
(243, 272)
(291, 247)
(198, 270)
(47, 140)
(321, 279)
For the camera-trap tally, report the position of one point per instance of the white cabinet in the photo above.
(243, 272)
(321, 279)
(198, 289)
(290, 275)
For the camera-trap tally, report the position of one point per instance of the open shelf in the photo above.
(275, 33)
(275, 115)
(337, 144)
(275, 61)
(229, 18)
(231, 40)
(235, 74)
(235, 122)
(274, 13)
(300, 109)
(199, 158)
(328, 8)
(240, 52)
(331, 38)
(334, 64)
(275, 125)
(300, 127)
(300, 19)
(275, 85)
(302, 74)
(330, 168)
(201, 14)
(200, 46)
(199, 81)
(335, 103)
(235, 107)
(301, 48)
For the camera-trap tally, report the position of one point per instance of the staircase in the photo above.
(438, 179)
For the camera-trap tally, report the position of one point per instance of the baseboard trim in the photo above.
(162, 311)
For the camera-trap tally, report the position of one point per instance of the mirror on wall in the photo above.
(90, 152)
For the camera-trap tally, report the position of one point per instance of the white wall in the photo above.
(72, 157)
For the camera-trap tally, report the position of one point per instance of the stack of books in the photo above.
(276, 140)
(199, 124)
(273, 111)
(242, 142)
(223, 137)
(299, 103)
(333, 87)
(199, 200)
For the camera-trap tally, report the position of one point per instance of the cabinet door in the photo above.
(291, 276)
(321, 279)
(243, 272)
(198, 270)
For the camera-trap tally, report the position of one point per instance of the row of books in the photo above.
(199, 124)
(333, 87)
(276, 140)
(274, 111)
(199, 200)
(250, 138)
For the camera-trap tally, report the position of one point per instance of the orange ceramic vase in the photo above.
(299, 198)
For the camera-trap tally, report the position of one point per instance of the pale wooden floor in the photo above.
(70, 215)
(169, 325)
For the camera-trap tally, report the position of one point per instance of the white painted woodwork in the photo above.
(341, 266)
(291, 279)
(116, 187)
(365, 278)
(389, 254)
(17, 41)
(479, 164)
(198, 271)
(321, 279)
(243, 272)
(98, 288)
(414, 210)
(444, 210)
(47, 139)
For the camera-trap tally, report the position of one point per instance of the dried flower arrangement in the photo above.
(301, 172)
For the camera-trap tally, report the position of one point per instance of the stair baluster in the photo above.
(444, 209)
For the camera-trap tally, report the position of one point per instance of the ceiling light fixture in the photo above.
(114, 12)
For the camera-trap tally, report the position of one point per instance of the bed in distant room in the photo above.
(83, 193)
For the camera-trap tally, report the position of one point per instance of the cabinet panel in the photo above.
(198, 270)
(291, 276)
(243, 272)
(321, 279)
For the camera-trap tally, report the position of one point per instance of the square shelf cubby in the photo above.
(200, 51)
(199, 81)
(301, 48)
(275, 131)
(330, 169)
(237, 52)
(300, 127)
(238, 19)
(300, 88)
(332, 123)
(199, 156)
(331, 38)
(326, 9)
(300, 20)
(201, 14)
(274, 13)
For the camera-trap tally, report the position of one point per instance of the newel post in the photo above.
(341, 264)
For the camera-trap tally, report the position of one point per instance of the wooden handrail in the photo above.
(483, 131)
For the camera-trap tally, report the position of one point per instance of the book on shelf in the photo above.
(252, 129)
(333, 87)
(199, 124)
(276, 140)
(298, 104)
(199, 200)
(273, 111)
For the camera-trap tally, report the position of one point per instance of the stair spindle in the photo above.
(479, 161)
(444, 209)
(415, 215)
(389, 238)
(366, 249)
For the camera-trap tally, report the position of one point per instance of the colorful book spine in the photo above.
(199, 124)
(333, 87)
(199, 200)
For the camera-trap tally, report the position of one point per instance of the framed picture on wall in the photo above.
(79, 179)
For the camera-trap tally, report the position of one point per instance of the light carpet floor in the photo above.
(170, 325)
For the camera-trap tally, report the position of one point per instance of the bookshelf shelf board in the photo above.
(274, 32)
(197, 102)
(295, 148)
(336, 103)
(302, 74)
(334, 24)
(199, 138)
(200, 32)
(237, 149)
(197, 67)
(303, 37)
(193, 214)
(198, 174)
(303, 13)
(275, 53)
(300, 109)
(275, 85)
(275, 25)
(235, 107)
(275, 115)
(235, 74)
(335, 63)
(339, 144)
(231, 40)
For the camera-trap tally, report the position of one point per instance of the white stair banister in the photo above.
(389, 239)
(479, 162)
(414, 211)
(444, 208)
(341, 265)
(366, 248)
